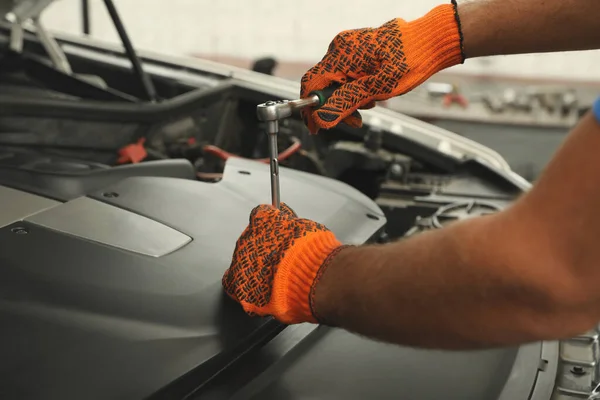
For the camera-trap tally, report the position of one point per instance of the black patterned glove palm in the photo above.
(276, 262)
(375, 64)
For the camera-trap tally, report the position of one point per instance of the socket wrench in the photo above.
(272, 112)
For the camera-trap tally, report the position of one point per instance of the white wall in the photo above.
(288, 30)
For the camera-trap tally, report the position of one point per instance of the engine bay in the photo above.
(53, 130)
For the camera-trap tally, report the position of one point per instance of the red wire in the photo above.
(224, 155)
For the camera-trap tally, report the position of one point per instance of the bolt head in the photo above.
(396, 169)
(578, 371)
(19, 230)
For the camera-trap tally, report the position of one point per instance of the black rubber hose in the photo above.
(85, 16)
(145, 80)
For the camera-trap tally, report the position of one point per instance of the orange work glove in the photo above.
(276, 263)
(375, 64)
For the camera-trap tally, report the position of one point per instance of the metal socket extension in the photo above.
(272, 112)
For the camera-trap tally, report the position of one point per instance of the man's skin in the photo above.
(502, 27)
(525, 274)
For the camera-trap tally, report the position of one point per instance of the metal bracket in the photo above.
(21, 12)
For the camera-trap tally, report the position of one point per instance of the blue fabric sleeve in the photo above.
(596, 109)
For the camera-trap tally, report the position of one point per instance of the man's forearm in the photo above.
(525, 274)
(450, 289)
(502, 27)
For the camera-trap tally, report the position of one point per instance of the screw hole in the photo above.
(244, 172)
(578, 371)
(375, 217)
(19, 230)
(110, 195)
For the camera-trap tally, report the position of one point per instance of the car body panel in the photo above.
(88, 319)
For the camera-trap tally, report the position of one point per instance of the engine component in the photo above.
(129, 298)
(224, 155)
(460, 211)
(63, 178)
(399, 168)
(579, 377)
(453, 212)
(374, 139)
(346, 155)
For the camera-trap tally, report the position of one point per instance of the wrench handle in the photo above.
(325, 94)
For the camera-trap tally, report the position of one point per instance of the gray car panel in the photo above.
(16, 205)
(84, 319)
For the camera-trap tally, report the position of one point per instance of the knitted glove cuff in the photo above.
(434, 42)
(460, 33)
(296, 275)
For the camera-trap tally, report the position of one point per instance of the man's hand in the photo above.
(276, 262)
(528, 273)
(375, 64)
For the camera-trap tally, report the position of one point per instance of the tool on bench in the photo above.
(272, 112)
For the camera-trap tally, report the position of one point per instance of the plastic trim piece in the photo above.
(521, 381)
(103, 223)
(17, 205)
(546, 379)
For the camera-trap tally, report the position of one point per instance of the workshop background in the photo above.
(502, 111)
